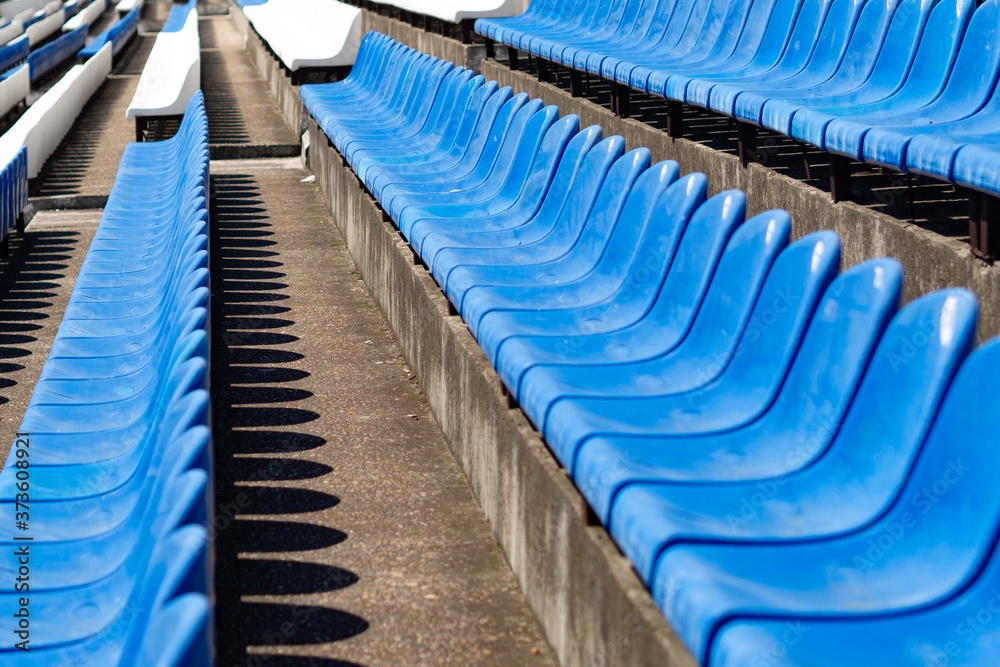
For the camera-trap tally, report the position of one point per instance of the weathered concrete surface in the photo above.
(213, 7)
(931, 261)
(468, 55)
(276, 80)
(346, 532)
(153, 15)
(84, 166)
(81, 171)
(243, 120)
(592, 605)
(133, 58)
(35, 283)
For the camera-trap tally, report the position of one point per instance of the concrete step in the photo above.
(35, 284)
(82, 170)
(243, 118)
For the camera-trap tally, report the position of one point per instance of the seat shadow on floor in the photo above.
(225, 121)
(259, 431)
(28, 282)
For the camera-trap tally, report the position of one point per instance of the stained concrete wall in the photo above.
(278, 82)
(470, 56)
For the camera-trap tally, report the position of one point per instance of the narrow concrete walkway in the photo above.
(82, 170)
(243, 118)
(35, 284)
(348, 535)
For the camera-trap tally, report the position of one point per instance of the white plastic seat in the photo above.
(45, 28)
(87, 15)
(172, 73)
(42, 127)
(11, 31)
(125, 6)
(308, 33)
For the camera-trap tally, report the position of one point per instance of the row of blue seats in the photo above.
(771, 441)
(119, 34)
(111, 473)
(46, 58)
(13, 197)
(14, 53)
(908, 84)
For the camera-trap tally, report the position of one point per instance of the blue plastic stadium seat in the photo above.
(701, 275)
(13, 53)
(900, 83)
(939, 539)
(120, 446)
(958, 631)
(44, 59)
(746, 419)
(13, 192)
(883, 139)
(119, 34)
(650, 512)
(837, 65)
(801, 114)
